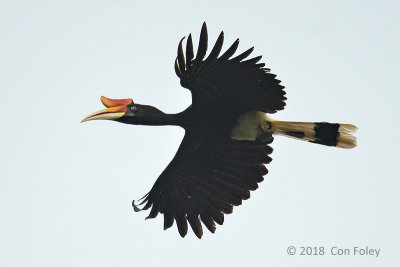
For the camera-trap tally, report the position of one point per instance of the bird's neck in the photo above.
(158, 118)
(163, 119)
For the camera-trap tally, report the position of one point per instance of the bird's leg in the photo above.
(265, 131)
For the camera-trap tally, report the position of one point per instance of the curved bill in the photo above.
(107, 114)
(116, 108)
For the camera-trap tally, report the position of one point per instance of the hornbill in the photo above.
(225, 148)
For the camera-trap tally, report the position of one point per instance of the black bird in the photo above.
(223, 154)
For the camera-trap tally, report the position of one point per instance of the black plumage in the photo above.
(223, 154)
(245, 85)
(211, 173)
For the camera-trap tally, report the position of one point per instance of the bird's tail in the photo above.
(324, 133)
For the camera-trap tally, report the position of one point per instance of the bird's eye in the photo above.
(133, 108)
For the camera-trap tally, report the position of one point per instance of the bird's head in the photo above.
(126, 111)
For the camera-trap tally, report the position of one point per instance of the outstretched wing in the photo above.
(205, 180)
(246, 84)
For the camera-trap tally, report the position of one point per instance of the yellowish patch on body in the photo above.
(249, 126)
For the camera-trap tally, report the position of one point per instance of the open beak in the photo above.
(115, 109)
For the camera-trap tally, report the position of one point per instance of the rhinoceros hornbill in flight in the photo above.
(227, 134)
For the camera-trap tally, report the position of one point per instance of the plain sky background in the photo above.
(66, 188)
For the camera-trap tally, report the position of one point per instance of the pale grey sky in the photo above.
(66, 188)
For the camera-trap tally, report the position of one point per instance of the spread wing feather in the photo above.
(242, 83)
(205, 180)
